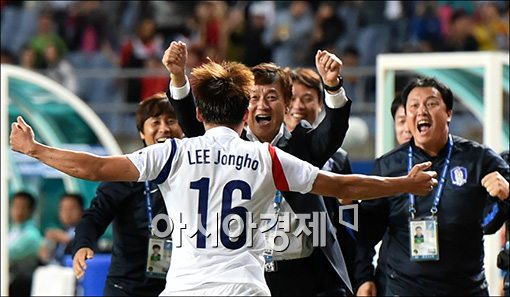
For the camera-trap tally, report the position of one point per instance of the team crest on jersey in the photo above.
(458, 175)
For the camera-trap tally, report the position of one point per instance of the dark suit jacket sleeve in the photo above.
(186, 115)
(495, 216)
(372, 224)
(496, 211)
(103, 208)
(323, 141)
(341, 163)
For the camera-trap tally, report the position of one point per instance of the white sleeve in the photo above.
(299, 175)
(178, 93)
(336, 100)
(154, 162)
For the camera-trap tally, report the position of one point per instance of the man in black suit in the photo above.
(302, 269)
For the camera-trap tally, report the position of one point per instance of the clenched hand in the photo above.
(496, 185)
(422, 181)
(22, 137)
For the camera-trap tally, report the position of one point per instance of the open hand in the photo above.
(57, 235)
(367, 289)
(79, 264)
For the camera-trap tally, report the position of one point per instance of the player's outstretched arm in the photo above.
(363, 187)
(78, 164)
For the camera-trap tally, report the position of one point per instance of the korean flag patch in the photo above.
(458, 175)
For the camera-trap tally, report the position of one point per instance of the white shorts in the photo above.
(222, 289)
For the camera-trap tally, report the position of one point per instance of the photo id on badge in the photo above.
(158, 257)
(423, 239)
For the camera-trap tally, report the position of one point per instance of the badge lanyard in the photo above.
(270, 265)
(437, 197)
(157, 264)
(149, 205)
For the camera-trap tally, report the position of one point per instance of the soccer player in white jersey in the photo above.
(206, 179)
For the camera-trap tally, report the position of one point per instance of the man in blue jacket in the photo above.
(450, 260)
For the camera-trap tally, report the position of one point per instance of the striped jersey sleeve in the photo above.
(155, 162)
(291, 173)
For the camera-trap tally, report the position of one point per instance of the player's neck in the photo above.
(238, 128)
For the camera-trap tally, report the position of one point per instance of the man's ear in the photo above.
(200, 118)
(245, 116)
(142, 137)
(450, 115)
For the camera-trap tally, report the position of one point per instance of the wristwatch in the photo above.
(334, 88)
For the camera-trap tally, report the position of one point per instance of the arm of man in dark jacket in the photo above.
(179, 91)
(372, 224)
(109, 199)
(324, 140)
(496, 211)
(186, 114)
(329, 135)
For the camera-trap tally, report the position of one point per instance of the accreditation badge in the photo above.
(423, 239)
(158, 257)
(270, 236)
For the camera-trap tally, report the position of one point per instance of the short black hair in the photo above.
(424, 82)
(309, 78)
(32, 203)
(153, 106)
(396, 103)
(505, 156)
(77, 197)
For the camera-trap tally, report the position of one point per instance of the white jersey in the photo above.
(204, 180)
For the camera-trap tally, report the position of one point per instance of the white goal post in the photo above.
(490, 115)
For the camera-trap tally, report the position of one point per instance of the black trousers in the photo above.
(401, 285)
(21, 286)
(113, 289)
(126, 287)
(310, 276)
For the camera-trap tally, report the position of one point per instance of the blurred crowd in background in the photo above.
(109, 52)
